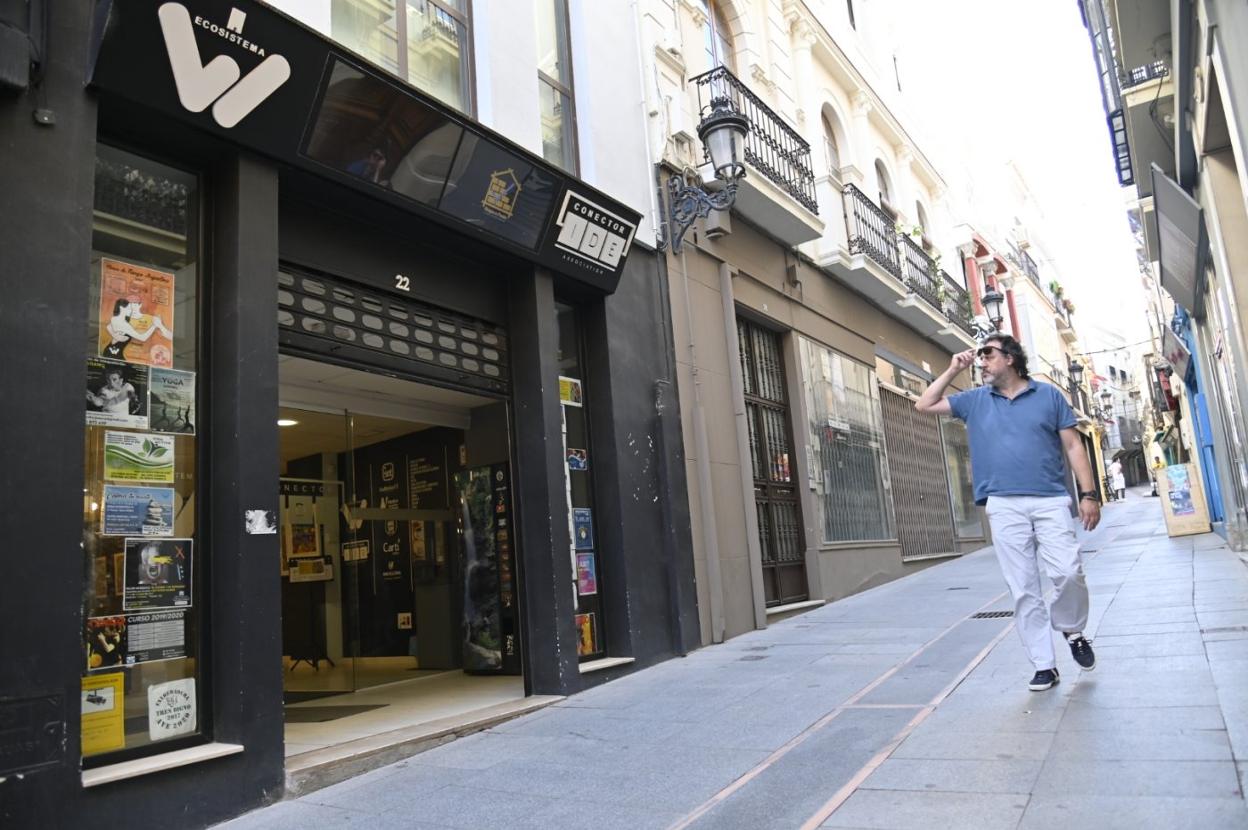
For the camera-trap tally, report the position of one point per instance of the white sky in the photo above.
(989, 81)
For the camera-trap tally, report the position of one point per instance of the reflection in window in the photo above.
(961, 485)
(425, 42)
(717, 37)
(554, 76)
(849, 471)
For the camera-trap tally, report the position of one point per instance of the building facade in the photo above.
(1173, 80)
(354, 293)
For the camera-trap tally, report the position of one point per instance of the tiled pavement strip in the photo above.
(889, 709)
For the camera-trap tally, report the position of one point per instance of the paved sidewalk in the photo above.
(891, 709)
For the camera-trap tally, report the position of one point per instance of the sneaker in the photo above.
(1046, 679)
(1081, 650)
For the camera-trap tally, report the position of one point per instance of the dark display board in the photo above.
(486, 534)
(244, 72)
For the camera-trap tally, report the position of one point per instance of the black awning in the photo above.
(257, 78)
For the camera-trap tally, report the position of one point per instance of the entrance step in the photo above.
(311, 771)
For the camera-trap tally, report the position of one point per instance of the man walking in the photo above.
(1019, 431)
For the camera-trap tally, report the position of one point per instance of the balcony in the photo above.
(778, 191)
(895, 272)
(1063, 317)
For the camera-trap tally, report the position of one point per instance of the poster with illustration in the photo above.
(139, 457)
(171, 406)
(105, 642)
(583, 528)
(586, 574)
(136, 314)
(1179, 491)
(570, 393)
(103, 712)
(577, 459)
(116, 394)
(137, 511)
(158, 574)
(300, 525)
(586, 637)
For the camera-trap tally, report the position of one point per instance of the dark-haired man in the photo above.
(1019, 431)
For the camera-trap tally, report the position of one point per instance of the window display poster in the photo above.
(158, 574)
(138, 456)
(137, 511)
(586, 574)
(103, 712)
(116, 394)
(156, 636)
(311, 570)
(356, 551)
(577, 459)
(171, 709)
(302, 535)
(585, 635)
(172, 401)
(570, 393)
(1183, 500)
(106, 642)
(583, 528)
(1179, 491)
(136, 313)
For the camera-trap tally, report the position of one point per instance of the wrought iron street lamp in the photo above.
(992, 301)
(723, 133)
(1076, 372)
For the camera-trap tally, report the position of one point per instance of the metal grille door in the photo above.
(917, 466)
(771, 451)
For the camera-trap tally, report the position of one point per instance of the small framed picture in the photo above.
(578, 459)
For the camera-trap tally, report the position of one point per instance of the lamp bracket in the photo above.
(690, 203)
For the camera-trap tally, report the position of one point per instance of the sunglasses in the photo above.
(986, 351)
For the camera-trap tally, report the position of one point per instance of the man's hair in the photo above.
(1012, 348)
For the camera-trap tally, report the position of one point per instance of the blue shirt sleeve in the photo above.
(959, 405)
(1065, 415)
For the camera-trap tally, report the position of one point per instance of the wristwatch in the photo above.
(1090, 494)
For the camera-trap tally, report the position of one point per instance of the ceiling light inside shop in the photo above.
(286, 422)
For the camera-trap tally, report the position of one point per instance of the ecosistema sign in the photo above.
(593, 235)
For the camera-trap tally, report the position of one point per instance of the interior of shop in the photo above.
(398, 569)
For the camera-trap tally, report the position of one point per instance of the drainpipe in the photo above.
(702, 474)
(736, 381)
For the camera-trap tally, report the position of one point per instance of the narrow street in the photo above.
(899, 707)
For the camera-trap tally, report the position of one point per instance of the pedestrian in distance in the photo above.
(1117, 480)
(1019, 431)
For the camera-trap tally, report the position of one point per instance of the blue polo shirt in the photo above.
(1015, 446)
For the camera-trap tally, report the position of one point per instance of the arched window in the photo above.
(717, 37)
(920, 216)
(831, 149)
(886, 186)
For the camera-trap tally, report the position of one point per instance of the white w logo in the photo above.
(201, 84)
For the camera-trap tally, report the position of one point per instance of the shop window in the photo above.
(849, 474)
(142, 681)
(585, 558)
(424, 42)
(961, 485)
(554, 81)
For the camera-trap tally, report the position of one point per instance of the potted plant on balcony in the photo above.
(1068, 305)
(1056, 288)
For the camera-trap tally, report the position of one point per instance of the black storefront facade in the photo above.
(187, 164)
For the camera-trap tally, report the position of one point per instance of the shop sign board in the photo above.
(1182, 500)
(252, 76)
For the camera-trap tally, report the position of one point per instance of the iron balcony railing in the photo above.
(772, 147)
(920, 270)
(1144, 74)
(1029, 267)
(871, 231)
(957, 305)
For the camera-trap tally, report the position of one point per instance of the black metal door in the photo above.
(916, 463)
(780, 534)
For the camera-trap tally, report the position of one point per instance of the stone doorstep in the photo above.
(311, 771)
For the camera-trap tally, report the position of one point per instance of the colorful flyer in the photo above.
(137, 511)
(105, 642)
(172, 401)
(583, 528)
(138, 456)
(577, 459)
(157, 636)
(570, 392)
(136, 313)
(116, 394)
(158, 574)
(311, 570)
(171, 709)
(586, 636)
(103, 712)
(300, 526)
(586, 574)
(1179, 491)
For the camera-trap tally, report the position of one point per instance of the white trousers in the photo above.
(1027, 530)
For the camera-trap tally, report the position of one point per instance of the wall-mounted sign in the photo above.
(242, 71)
